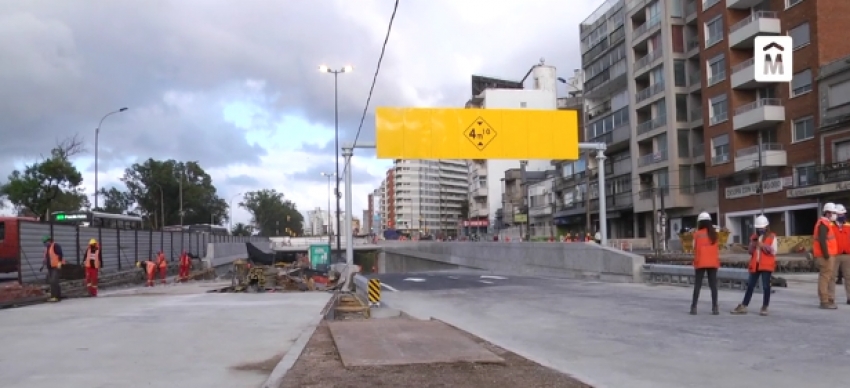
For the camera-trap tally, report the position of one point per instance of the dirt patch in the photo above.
(321, 367)
(265, 366)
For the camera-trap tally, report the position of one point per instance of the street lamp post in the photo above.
(336, 73)
(161, 206)
(96, 146)
(329, 175)
(231, 210)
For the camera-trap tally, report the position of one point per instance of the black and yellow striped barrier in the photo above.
(374, 292)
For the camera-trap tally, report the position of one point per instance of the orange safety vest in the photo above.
(831, 241)
(842, 233)
(706, 254)
(150, 267)
(185, 260)
(55, 260)
(763, 261)
(91, 259)
(160, 260)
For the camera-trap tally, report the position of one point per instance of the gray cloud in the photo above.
(314, 174)
(242, 180)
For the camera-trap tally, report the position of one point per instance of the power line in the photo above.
(375, 77)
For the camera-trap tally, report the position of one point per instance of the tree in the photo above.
(241, 230)
(155, 187)
(272, 214)
(116, 201)
(52, 184)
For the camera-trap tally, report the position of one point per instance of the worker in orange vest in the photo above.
(162, 264)
(825, 250)
(53, 260)
(842, 233)
(706, 261)
(150, 271)
(185, 265)
(763, 248)
(93, 261)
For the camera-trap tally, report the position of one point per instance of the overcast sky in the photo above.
(234, 84)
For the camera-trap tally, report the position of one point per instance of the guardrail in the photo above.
(368, 290)
(734, 278)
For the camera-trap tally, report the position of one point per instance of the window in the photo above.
(718, 110)
(804, 174)
(804, 128)
(676, 9)
(716, 69)
(801, 83)
(662, 178)
(714, 31)
(661, 142)
(2, 231)
(770, 136)
(842, 152)
(838, 94)
(684, 143)
(620, 100)
(720, 149)
(657, 75)
(682, 108)
(679, 73)
(800, 35)
(791, 3)
(685, 176)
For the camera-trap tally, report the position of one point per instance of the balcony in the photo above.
(696, 117)
(607, 82)
(650, 159)
(742, 4)
(649, 125)
(644, 28)
(691, 10)
(480, 192)
(717, 160)
(772, 155)
(761, 23)
(759, 114)
(648, 92)
(744, 76)
(693, 47)
(698, 153)
(695, 79)
(618, 136)
(647, 60)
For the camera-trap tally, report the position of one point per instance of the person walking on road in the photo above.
(92, 265)
(706, 261)
(150, 271)
(825, 250)
(842, 260)
(763, 248)
(162, 265)
(53, 260)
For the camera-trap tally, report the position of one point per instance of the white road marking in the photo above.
(389, 287)
(485, 282)
(454, 277)
(417, 280)
(493, 277)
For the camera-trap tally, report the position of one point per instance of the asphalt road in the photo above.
(436, 281)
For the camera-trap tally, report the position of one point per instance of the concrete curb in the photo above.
(288, 361)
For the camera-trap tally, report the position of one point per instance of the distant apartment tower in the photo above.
(318, 221)
(429, 195)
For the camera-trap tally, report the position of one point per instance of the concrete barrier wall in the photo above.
(219, 254)
(573, 260)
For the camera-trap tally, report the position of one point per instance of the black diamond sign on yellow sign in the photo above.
(480, 133)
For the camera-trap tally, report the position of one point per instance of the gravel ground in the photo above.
(320, 367)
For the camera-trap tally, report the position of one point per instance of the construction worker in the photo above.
(185, 265)
(53, 260)
(150, 271)
(842, 260)
(824, 250)
(706, 261)
(763, 246)
(162, 265)
(93, 261)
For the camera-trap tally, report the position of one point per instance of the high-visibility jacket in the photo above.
(761, 260)
(55, 260)
(831, 241)
(160, 260)
(150, 268)
(706, 254)
(842, 235)
(92, 259)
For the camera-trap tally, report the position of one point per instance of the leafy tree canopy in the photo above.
(155, 187)
(241, 230)
(116, 201)
(52, 184)
(272, 214)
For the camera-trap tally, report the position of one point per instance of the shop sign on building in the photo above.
(768, 186)
(819, 189)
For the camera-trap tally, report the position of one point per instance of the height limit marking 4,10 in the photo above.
(480, 133)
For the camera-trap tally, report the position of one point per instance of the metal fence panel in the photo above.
(109, 244)
(127, 248)
(32, 250)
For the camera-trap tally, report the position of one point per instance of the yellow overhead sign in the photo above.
(413, 133)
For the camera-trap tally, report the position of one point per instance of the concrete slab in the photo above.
(404, 342)
(640, 336)
(160, 337)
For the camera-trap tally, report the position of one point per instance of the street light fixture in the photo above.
(336, 73)
(231, 210)
(96, 146)
(329, 175)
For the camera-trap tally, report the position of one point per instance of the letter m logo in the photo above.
(773, 59)
(773, 66)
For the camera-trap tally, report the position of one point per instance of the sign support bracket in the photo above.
(347, 153)
(603, 211)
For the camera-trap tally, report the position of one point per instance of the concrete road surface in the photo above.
(172, 336)
(640, 336)
(445, 280)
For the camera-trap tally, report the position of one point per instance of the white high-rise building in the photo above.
(317, 222)
(429, 194)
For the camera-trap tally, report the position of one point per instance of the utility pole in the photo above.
(654, 219)
(588, 225)
(761, 176)
(662, 222)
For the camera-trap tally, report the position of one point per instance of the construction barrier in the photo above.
(374, 292)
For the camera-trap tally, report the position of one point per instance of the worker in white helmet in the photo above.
(842, 261)
(825, 250)
(706, 261)
(763, 248)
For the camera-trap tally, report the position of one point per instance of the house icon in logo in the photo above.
(773, 59)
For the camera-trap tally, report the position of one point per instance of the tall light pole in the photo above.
(231, 210)
(161, 206)
(336, 73)
(329, 175)
(96, 146)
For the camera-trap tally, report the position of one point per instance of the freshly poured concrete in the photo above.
(172, 336)
(640, 336)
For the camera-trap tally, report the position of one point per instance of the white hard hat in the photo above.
(704, 217)
(829, 207)
(840, 209)
(761, 222)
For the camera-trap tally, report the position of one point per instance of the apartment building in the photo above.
(318, 222)
(757, 132)
(429, 195)
(388, 200)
